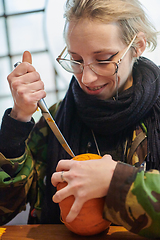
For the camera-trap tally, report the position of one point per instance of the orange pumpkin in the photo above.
(89, 221)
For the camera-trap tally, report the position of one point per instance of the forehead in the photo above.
(91, 34)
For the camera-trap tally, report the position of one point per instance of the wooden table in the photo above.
(60, 232)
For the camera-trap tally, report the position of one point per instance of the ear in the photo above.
(140, 44)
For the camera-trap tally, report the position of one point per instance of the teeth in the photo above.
(96, 88)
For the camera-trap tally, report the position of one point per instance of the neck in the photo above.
(127, 84)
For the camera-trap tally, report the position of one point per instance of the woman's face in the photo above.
(89, 41)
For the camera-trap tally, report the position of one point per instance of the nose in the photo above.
(88, 76)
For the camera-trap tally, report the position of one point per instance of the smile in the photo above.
(96, 88)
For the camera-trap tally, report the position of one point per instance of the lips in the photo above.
(94, 89)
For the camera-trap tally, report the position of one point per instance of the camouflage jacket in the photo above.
(133, 199)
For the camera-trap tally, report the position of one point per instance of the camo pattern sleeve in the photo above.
(133, 200)
(22, 177)
(16, 167)
(14, 188)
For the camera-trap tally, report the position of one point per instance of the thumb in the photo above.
(27, 57)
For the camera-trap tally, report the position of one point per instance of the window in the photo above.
(152, 10)
(23, 26)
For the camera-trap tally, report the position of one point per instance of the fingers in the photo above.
(26, 87)
(64, 165)
(73, 187)
(27, 66)
(27, 57)
(20, 70)
(23, 87)
(76, 207)
(75, 210)
(62, 194)
(25, 74)
(56, 178)
(86, 180)
(17, 80)
(61, 176)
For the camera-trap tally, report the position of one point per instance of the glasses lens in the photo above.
(104, 68)
(70, 66)
(101, 68)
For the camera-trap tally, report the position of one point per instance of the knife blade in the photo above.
(52, 124)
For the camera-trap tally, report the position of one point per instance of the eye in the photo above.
(80, 61)
(108, 59)
(77, 59)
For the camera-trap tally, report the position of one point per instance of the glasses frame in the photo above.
(60, 58)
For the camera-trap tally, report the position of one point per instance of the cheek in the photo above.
(124, 71)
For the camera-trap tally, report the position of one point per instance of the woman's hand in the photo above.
(86, 180)
(26, 88)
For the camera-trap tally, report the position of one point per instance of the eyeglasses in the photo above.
(103, 68)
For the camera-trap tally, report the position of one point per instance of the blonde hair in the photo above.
(128, 14)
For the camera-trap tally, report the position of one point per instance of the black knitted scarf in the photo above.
(78, 111)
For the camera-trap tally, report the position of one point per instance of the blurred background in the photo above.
(37, 26)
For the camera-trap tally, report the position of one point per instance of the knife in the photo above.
(52, 124)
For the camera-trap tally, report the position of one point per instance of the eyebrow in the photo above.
(101, 51)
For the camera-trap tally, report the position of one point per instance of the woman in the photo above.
(111, 108)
